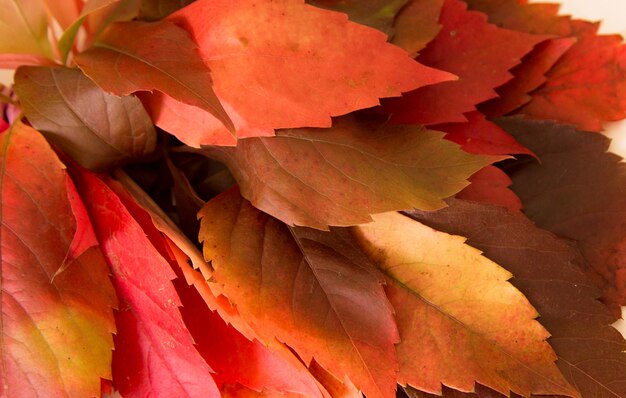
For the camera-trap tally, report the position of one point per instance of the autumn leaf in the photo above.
(309, 289)
(158, 56)
(528, 76)
(578, 192)
(491, 186)
(237, 360)
(24, 28)
(95, 128)
(377, 14)
(548, 271)
(417, 24)
(56, 327)
(479, 53)
(482, 137)
(155, 10)
(340, 176)
(586, 86)
(255, 51)
(154, 352)
(460, 322)
(156, 225)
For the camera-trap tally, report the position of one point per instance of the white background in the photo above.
(612, 13)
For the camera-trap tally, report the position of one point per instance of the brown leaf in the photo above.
(377, 14)
(417, 24)
(98, 130)
(547, 270)
(340, 176)
(578, 192)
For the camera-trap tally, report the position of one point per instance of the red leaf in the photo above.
(158, 56)
(578, 192)
(154, 352)
(255, 51)
(587, 86)
(237, 360)
(340, 176)
(528, 76)
(590, 351)
(479, 53)
(480, 136)
(310, 289)
(56, 327)
(491, 185)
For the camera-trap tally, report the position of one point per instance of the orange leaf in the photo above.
(256, 52)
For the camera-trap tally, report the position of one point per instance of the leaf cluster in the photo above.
(337, 198)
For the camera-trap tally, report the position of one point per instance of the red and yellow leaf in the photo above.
(460, 322)
(56, 326)
(154, 351)
(256, 52)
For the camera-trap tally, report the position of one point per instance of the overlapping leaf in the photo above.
(480, 136)
(548, 271)
(340, 176)
(378, 14)
(312, 290)
(528, 76)
(159, 56)
(587, 85)
(460, 322)
(237, 360)
(479, 53)
(93, 127)
(56, 326)
(268, 77)
(417, 24)
(578, 192)
(154, 352)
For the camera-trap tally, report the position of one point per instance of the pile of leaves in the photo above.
(267, 198)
